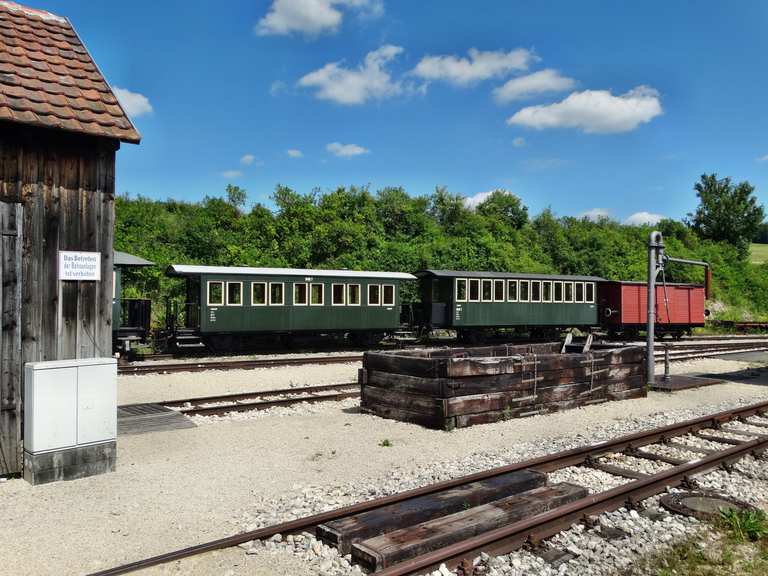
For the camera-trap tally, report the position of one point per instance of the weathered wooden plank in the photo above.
(388, 549)
(450, 387)
(402, 415)
(344, 532)
(412, 402)
(69, 239)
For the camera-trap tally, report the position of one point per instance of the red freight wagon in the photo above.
(623, 307)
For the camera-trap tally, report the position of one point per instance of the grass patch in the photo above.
(735, 543)
(386, 443)
(758, 253)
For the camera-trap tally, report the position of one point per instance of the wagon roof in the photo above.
(125, 259)
(194, 270)
(48, 78)
(469, 274)
(658, 283)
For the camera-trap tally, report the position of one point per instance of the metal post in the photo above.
(655, 259)
(666, 363)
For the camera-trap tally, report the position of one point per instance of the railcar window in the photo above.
(276, 294)
(337, 294)
(461, 289)
(546, 291)
(498, 290)
(524, 290)
(590, 290)
(316, 294)
(259, 294)
(474, 290)
(215, 293)
(234, 293)
(535, 291)
(568, 291)
(388, 293)
(487, 291)
(558, 291)
(374, 295)
(353, 294)
(579, 291)
(300, 296)
(512, 290)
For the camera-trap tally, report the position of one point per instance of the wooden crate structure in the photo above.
(454, 388)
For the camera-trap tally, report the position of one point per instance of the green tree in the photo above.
(727, 212)
(236, 196)
(504, 206)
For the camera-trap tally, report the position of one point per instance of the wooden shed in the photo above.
(60, 127)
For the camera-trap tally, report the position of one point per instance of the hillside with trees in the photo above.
(389, 229)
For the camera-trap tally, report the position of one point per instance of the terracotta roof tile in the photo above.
(47, 77)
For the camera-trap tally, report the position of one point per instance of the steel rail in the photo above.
(236, 364)
(256, 394)
(546, 463)
(266, 404)
(536, 528)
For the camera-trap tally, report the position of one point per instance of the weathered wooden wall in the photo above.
(65, 183)
(454, 388)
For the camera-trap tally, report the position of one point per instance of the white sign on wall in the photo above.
(79, 265)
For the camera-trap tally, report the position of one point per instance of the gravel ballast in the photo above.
(182, 487)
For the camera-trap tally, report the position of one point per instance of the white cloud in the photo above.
(639, 218)
(133, 103)
(312, 17)
(596, 214)
(473, 202)
(369, 81)
(231, 174)
(518, 142)
(346, 150)
(594, 111)
(277, 87)
(293, 153)
(247, 159)
(762, 158)
(539, 82)
(479, 66)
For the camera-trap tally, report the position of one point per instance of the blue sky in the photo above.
(581, 106)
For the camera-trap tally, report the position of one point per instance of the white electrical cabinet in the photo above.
(69, 403)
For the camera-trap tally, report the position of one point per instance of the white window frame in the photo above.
(394, 295)
(466, 289)
(282, 293)
(322, 293)
(266, 296)
(343, 295)
(520, 291)
(503, 291)
(539, 284)
(551, 294)
(241, 294)
(208, 292)
(576, 292)
(482, 290)
(517, 290)
(554, 291)
(293, 294)
(368, 294)
(469, 290)
(359, 295)
(565, 290)
(591, 300)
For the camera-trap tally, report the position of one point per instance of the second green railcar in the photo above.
(472, 302)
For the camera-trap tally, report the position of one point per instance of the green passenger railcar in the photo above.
(467, 301)
(258, 301)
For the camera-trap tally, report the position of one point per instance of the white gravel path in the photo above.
(181, 487)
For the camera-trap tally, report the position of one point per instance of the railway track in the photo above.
(224, 404)
(726, 430)
(678, 351)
